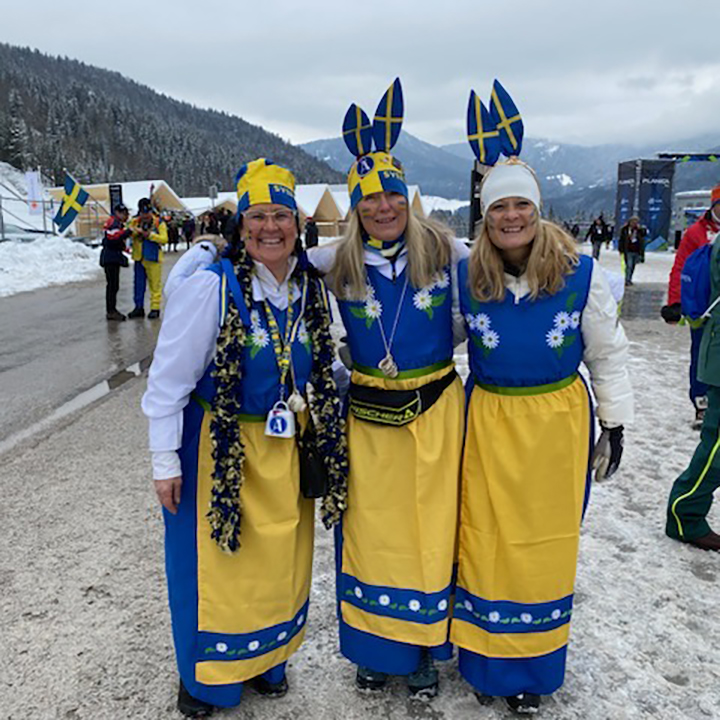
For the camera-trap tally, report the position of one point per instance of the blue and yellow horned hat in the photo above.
(262, 181)
(492, 133)
(375, 171)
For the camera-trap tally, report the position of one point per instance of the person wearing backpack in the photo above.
(698, 234)
(692, 493)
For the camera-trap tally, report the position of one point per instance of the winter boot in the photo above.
(524, 703)
(137, 312)
(262, 687)
(367, 679)
(190, 706)
(153, 315)
(116, 316)
(423, 683)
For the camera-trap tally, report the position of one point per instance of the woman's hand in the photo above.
(168, 492)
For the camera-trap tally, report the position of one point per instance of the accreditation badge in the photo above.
(280, 421)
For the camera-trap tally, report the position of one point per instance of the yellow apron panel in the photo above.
(400, 527)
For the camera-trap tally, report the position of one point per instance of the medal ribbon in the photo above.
(283, 346)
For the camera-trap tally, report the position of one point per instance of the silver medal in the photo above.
(388, 367)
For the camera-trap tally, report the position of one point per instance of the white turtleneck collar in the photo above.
(266, 287)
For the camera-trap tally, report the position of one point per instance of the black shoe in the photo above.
(116, 316)
(367, 679)
(261, 686)
(137, 312)
(423, 683)
(190, 706)
(711, 541)
(153, 315)
(524, 703)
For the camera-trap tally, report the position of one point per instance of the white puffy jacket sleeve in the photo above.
(184, 350)
(606, 353)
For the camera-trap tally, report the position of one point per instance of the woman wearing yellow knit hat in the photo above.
(228, 412)
(393, 274)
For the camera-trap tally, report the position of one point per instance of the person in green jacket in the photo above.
(692, 493)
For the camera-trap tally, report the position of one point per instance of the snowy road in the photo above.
(85, 631)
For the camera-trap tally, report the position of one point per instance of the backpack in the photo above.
(696, 287)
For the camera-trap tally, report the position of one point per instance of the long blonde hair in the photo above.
(429, 246)
(552, 257)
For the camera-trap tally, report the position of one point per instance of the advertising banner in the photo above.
(655, 201)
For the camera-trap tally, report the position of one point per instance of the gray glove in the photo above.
(608, 452)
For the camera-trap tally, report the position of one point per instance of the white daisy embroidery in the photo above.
(369, 292)
(482, 322)
(414, 605)
(373, 308)
(468, 606)
(282, 636)
(554, 338)
(221, 647)
(494, 616)
(575, 319)
(253, 645)
(527, 618)
(490, 339)
(442, 280)
(422, 299)
(555, 614)
(303, 336)
(442, 605)
(562, 320)
(384, 600)
(254, 318)
(358, 592)
(300, 620)
(260, 337)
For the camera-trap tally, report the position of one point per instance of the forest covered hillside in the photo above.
(61, 113)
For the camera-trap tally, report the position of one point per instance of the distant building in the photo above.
(688, 207)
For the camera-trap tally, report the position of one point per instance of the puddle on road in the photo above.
(80, 401)
(643, 302)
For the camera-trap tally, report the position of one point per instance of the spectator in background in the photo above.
(311, 234)
(188, 230)
(112, 258)
(149, 234)
(698, 234)
(597, 234)
(575, 230)
(632, 246)
(173, 232)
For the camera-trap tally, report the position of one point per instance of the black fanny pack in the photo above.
(396, 407)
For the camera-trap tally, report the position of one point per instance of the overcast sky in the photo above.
(582, 72)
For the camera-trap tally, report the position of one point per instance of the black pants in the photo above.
(112, 275)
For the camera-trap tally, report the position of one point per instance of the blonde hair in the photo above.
(428, 244)
(552, 257)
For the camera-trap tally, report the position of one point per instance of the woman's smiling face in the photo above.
(512, 225)
(384, 215)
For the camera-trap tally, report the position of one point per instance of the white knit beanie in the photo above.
(510, 179)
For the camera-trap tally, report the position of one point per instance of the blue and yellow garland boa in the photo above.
(228, 450)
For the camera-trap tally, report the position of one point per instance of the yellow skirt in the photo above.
(524, 483)
(399, 531)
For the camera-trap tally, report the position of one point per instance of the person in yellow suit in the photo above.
(149, 234)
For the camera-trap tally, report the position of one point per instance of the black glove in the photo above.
(608, 453)
(671, 313)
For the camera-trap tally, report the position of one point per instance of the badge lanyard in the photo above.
(281, 420)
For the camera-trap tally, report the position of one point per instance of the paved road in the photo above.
(55, 343)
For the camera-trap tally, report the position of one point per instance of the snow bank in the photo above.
(432, 202)
(45, 261)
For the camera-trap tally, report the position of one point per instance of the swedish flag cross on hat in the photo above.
(375, 171)
(262, 181)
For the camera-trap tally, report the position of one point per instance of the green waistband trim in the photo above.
(205, 405)
(530, 389)
(403, 374)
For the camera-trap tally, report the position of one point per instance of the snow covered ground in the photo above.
(46, 261)
(85, 626)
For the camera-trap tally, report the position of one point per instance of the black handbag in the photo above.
(313, 473)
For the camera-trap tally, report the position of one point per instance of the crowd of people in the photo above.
(456, 511)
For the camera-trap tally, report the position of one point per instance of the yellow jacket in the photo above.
(149, 249)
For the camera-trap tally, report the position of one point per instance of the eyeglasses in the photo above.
(282, 218)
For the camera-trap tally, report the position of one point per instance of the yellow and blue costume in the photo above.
(147, 257)
(525, 485)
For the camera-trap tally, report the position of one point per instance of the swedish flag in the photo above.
(389, 117)
(482, 132)
(507, 118)
(357, 131)
(73, 200)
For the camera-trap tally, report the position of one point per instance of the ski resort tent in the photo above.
(97, 209)
(199, 205)
(318, 202)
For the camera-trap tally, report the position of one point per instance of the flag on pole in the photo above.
(73, 200)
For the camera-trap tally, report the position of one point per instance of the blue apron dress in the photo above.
(240, 615)
(525, 484)
(396, 546)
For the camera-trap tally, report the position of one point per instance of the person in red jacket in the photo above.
(698, 234)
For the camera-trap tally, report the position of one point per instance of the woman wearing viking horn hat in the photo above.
(240, 342)
(534, 311)
(393, 276)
